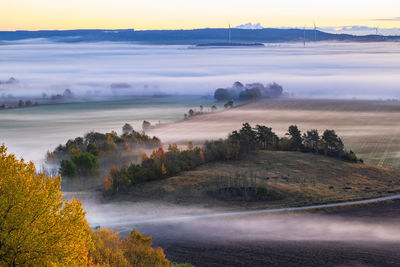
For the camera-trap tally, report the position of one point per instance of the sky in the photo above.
(189, 14)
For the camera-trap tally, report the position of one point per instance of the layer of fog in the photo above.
(254, 227)
(354, 126)
(292, 227)
(31, 132)
(339, 70)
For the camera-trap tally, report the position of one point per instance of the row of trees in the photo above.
(263, 138)
(194, 112)
(38, 228)
(20, 104)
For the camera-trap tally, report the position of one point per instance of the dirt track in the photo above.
(203, 248)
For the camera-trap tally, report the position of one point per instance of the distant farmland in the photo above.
(369, 128)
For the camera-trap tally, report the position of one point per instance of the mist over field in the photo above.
(334, 70)
(30, 132)
(127, 215)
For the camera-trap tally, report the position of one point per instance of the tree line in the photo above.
(261, 137)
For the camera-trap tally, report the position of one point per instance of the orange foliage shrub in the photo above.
(163, 169)
(134, 250)
(108, 182)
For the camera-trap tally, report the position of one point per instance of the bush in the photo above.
(134, 250)
(86, 163)
(68, 168)
(261, 192)
(350, 156)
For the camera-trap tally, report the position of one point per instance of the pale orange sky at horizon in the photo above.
(189, 14)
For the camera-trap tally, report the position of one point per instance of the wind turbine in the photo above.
(304, 37)
(376, 30)
(229, 32)
(315, 31)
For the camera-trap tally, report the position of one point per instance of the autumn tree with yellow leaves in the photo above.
(39, 228)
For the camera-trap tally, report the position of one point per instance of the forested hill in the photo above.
(196, 36)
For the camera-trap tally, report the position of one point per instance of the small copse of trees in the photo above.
(82, 156)
(248, 92)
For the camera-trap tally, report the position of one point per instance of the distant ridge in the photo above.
(229, 44)
(197, 36)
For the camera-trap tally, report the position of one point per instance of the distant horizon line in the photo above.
(334, 28)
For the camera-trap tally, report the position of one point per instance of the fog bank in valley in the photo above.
(338, 70)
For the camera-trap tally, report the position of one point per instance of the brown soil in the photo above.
(204, 250)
